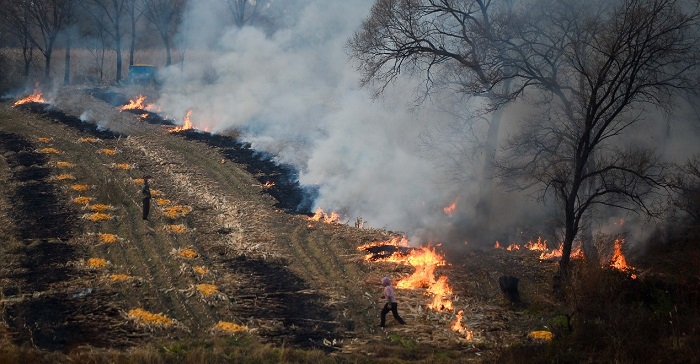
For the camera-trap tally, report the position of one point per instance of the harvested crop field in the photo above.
(229, 256)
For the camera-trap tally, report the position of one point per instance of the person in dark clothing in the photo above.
(146, 194)
(391, 304)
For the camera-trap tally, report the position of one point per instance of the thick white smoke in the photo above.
(294, 93)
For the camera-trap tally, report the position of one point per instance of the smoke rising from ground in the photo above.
(294, 93)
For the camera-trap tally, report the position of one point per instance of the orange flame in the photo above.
(187, 123)
(618, 260)
(322, 216)
(36, 96)
(138, 104)
(440, 291)
(540, 245)
(512, 247)
(457, 327)
(449, 210)
(497, 245)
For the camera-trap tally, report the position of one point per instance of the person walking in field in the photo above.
(146, 194)
(391, 304)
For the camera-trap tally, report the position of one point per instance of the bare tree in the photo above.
(50, 17)
(15, 16)
(244, 11)
(449, 40)
(135, 9)
(109, 15)
(165, 16)
(70, 19)
(598, 68)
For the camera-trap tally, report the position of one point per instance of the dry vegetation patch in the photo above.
(98, 216)
(65, 164)
(176, 211)
(187, 253)
(145, 318)
(175, 228)
(49, 151)
(80, 188)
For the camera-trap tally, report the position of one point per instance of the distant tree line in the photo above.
(36, 27)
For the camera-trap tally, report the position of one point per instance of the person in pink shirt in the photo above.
(391, 304)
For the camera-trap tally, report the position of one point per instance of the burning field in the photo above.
(232, 251)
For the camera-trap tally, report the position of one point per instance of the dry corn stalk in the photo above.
(108, 151)
(65, 164)
(185, 253)
(208, 289)
(100, 207)
(108, 238)
(178, 229)
(123, 166)
(176, 211)
(96, 263)
(65, 176)
(49, 151)
(200, 269)
(98, 216)
(229, 327)
(119, 277)
(82, 200)
(80, 188)
(143, 317)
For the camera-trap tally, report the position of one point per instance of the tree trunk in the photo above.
(569, 235)
(119, 59)
(168, 58)
(132, 46)
(28, 55)
(66, 73)
(47, 66)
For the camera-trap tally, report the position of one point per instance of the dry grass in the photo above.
(122, 166)
(101, 207)
(80, 188)
(201, 270)
(207, 289)
(187, 253)
(65, 176)
(176, 211)
(228, 327)
(88, 140)
(96, 263)
(175, 228)
(98, 216)
(64, 164)
(49, 151)
(108, 238)
(119, 277)
(145, 318)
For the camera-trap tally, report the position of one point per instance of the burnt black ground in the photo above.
(46, 318)
(279, 294)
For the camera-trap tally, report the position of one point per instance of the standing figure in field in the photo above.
(146, 194)
(391, 304)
